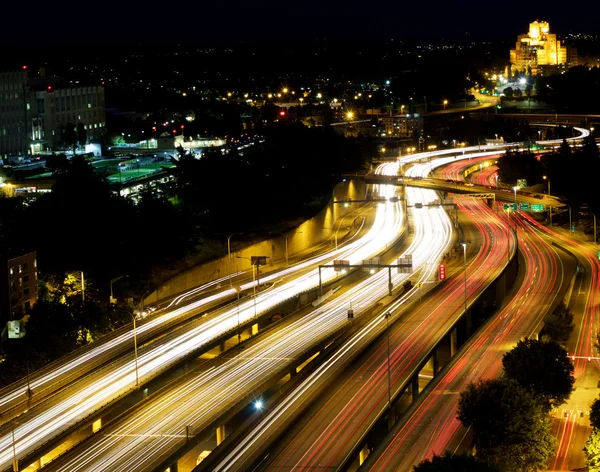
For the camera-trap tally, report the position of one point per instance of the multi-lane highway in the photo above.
(198, 401)
(430, 427)
(326, 434)
(78, 400)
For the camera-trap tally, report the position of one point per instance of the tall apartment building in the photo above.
(402, 126)
(18, 285)
(33, 112)
(539, 52)
(55, 106)
(15, 114)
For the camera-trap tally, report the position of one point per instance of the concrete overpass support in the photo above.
(435, 359)
(220, 434)
(414, 385)
(453, 342)
(364, 453)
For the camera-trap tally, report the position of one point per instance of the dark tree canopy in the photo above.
(595, 413)
(558, 325)
(451, 463)
(510, 428)
(543, 369)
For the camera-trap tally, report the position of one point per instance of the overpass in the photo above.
(454, 186)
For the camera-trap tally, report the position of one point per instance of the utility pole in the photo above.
(82, 288)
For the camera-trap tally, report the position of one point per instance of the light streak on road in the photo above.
(159, 356)
(432, 426)
(193, 402)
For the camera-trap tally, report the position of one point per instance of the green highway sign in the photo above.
(524, 206)
(510, 206)
(537, 207)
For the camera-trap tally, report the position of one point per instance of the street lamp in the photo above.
(137, 379)
(515, 189)
(387, 328)
(545, 177)
(228, 251)
(445, 103)
(464, 246)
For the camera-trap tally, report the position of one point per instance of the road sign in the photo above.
(259, 260)
(340, 265)
(573, 228)
(599, 255)
(537, 207)
(510, 206)
(524, 206)
(407, 262)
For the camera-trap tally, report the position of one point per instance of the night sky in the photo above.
(113, 22)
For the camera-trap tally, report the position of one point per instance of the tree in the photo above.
(451, 463)
(543, 369)
(69, 136)
(595, 413)
(510, 428)
(57, 163)
(565, 149)
(592, 450)
(81, 134)
(558, 325)
(508, 92)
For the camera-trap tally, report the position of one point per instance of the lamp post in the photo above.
(515, 189)
(228, 251)
(594, 226)
(570, 224)
(464, 245)
(545, 177)
(110, 300)
(387, 328)
(286, 244)
(14, 448)
(135, 351)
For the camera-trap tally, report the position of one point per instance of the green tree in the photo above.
(451, 463)
(510, 428)
(558, 325)
(595, 413)
(592, 450)
(509, 92)
(543, 368)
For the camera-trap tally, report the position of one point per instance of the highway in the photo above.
(325, 434)
(571, 424)
(430, 427)
(124, 445)
(80, 399)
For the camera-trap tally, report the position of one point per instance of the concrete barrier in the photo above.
(308, 234)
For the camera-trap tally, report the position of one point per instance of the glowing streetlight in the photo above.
(545, 177)
(445, 103)
(515, 189)
(350, 115)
